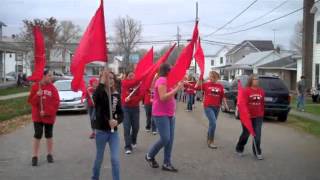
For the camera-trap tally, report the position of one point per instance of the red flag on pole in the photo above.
(199, 56)
(145, 63)
(92, 47)
(39, 55)
(146, 83)
(178, 72)
(242, 104)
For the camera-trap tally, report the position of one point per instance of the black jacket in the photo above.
(101, 101)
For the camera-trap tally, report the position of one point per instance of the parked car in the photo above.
(226, 86)
(277, 97)
(69, 100)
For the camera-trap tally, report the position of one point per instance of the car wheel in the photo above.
(236, 113)
(283, 117)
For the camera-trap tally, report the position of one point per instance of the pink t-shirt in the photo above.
(162, 108)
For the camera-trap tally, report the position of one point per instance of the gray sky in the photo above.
(212, 14)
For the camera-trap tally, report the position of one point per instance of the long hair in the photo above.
(251, 78)
(164, 70)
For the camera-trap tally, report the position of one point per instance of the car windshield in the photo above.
(272, 84)
(63, 85)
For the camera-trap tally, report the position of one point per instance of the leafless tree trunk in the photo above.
(296, 41)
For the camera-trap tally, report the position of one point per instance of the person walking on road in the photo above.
(255, 103)
(150, 124)
(106, 128)
(213, 97)
(191, 92)
(163, 112)
(44, 99)
(93, 83)
(301, 90)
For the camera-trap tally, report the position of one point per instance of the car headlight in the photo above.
(77, 98)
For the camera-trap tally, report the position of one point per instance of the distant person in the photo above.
(106, 128)
(301, 90)
(44, 99)
(163, 112)
(255, 103)
(191, 92)
(147, 101)
(19, 79)
(93, 83)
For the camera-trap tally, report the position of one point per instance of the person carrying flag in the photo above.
(253, 98)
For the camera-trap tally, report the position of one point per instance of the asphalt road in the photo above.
(289, 154)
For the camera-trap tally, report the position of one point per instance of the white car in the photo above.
(69, 100)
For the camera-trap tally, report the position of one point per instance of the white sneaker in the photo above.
(259, 157)
(128, 151)
(134, 146)
(147, 130)
(154, 133)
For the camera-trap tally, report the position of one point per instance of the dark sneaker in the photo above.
(169, 168)
(50, 158)
(34, 161)
(152, 162)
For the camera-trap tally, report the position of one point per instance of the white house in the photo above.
(220, 61)
(316, 45)
(115, 64)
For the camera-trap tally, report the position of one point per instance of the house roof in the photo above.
(14, 46)
(2, 24)
(260, 45)
(283, 63)
(253, 58)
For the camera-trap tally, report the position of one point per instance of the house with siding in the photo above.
(316, 45)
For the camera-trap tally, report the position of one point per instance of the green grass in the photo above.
(14, 107)
(13, 90)
(309, 126)
(310, 107)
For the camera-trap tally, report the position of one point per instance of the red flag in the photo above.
(146, 83)
(145, 63)
(178, 72)
(199, 56)
(39, 55)
(92, 47)
(242, 104)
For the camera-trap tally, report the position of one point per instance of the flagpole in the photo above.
(41, 101)
(255, 145)
(109, 101)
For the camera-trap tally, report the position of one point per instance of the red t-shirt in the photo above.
(255, 101)
(127, 86)
(189, 88)
(213, 94)
(89, 97)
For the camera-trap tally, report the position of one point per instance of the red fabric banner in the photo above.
(144, 64)
(92, 47)
(39, 55)
(199, 57)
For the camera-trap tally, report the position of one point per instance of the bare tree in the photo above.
(296, 41)
(174, 54)
(127, 34)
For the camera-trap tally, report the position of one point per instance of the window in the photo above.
(318, 32)
(221, 60)
(212, 62)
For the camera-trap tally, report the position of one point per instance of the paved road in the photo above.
(289, 154)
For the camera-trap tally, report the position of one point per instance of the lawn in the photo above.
(310, 107)
(14, 107)
(309, 126)
(13, 90)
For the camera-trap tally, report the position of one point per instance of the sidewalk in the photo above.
(12, 96)
(304, 115)
(7, 84)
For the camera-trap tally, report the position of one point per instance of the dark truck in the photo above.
(277, 97)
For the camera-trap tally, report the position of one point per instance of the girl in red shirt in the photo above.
(213, 96)
(255, 102)
(191, 92)
(44, 99)
(93, 84)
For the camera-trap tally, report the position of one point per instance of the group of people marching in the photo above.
(112, 101)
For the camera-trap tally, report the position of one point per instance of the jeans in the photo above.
(166, 126)
(150, 122)
(92, 115)
(102, 138)
(131, 126)
(190, 101)
(300, 102)
(212, 115)
(257, 125)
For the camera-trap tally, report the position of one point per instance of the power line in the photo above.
(234, 18)
(169, 23)
(262, 16)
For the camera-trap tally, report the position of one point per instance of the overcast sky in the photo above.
(212, 14)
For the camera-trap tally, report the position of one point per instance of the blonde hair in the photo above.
(215, 75)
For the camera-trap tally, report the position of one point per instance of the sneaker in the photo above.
(152, 162)
(92, 136)
(239, 153)
(134, 146)
(34, 161)
(259, 156)
(212, 146)
(147, 129)
(154, 132)
(128, 151)
(169, 168)
(50, 158)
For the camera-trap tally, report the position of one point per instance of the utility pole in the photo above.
(307, 42)
(197, 19)
(178, 36)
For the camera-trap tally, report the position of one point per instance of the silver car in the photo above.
(69, 100)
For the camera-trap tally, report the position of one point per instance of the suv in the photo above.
(277, 97)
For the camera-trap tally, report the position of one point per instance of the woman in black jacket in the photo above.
(106, 128)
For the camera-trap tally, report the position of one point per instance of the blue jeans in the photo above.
(150, 124)
(102, 138)
(165, 125)
(243, 139)
(212, 115)
(131, 125)
(92, 116)
(190, 101)
(300, 102)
